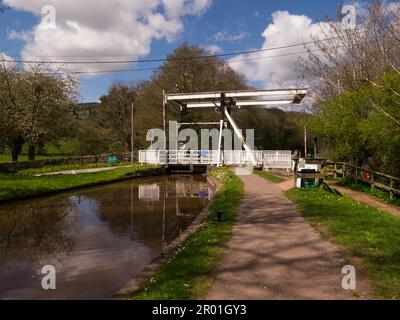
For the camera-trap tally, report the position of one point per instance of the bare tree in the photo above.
(355, 79)
(3, 8)
(342, 59)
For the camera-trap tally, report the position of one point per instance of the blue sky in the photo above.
(230, 26)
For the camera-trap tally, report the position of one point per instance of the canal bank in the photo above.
(25, 186)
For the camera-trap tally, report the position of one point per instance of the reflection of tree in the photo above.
(118, 212)
(31, 232)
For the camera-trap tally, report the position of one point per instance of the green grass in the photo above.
(68, 147)
(367, 233)
(189, 273)
(66, 167)
(268, 176)
(366, 188)
(15, 186)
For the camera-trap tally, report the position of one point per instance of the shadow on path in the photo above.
(275, 254)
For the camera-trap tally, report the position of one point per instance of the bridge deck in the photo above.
(210, 158)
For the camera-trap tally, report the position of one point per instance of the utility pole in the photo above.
(132, 133)
(305, 142)
(315, 147)
(165, 116)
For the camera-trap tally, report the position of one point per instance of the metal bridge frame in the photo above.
(225, 101)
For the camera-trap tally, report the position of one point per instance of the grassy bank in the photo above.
(367, 233)
(67, 167)
(268, 176)
(21, 185)
(189, 273)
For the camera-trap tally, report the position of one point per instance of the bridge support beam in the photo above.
(240, 136)
(219, 154)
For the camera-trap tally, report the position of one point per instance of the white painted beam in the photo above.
(263, 103)
(240, 136)
(219, 154)
(197, 96)
(241, 103)
(236, 94)
(266, 93)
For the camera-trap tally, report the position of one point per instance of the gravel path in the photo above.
(275, 254)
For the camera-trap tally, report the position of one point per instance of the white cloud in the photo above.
(225, 36)
(213, 49)
(284, 29)
(14, 35)
(103, 29)
(176, 8)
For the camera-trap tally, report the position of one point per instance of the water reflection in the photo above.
(97, 238)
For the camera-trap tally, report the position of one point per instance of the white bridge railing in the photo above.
(210, 157)
(279, 159)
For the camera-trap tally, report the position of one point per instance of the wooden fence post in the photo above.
(356, 175)
(391, 189)
(335, 171)
(344, 171)
(296, 163)
(372, 181)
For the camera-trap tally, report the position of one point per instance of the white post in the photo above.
(221, 128)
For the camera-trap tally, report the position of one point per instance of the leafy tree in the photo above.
(11, 134)
(35, 107)
(187, 69)
(363, 126)
(115, 112)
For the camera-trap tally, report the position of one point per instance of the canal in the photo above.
(96, 238)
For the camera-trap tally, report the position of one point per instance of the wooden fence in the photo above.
(15, 166)
(361, 175)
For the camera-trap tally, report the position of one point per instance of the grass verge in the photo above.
(268, 176)
(366, 188)
(19, 185)
(67, 167)
(367, 233)
(189, 273)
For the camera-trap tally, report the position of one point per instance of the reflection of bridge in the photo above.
(174, 191)
(177, 190)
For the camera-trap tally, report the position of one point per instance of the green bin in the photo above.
(308, 183)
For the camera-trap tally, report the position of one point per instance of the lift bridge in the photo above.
(224, 102)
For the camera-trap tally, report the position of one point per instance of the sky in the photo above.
(104, 30)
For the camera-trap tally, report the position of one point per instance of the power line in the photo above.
(221, 55)
(169, 67)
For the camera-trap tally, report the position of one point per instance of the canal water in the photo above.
(96, 238)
